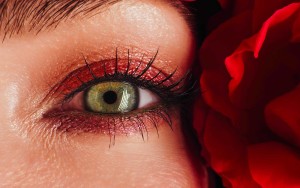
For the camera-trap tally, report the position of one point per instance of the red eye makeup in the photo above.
(117, 96)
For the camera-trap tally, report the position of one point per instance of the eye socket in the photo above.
(113, 98)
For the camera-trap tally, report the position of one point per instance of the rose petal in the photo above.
(257, 81)
(235, 63)
(213, 85)
(216, 47)
(264, 9)
(296, 30)
(253, 64)
(228, 153)
(200, 112)
(281, 15)
(283, 116)
(274, 165)
(224, 40)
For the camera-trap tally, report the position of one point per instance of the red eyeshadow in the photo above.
(108, 68)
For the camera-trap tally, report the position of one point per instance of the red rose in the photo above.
(251, 81)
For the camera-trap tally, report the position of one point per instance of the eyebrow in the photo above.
(17, 16)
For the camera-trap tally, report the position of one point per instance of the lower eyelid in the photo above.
(140, 122)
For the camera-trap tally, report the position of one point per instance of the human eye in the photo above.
(118, 96)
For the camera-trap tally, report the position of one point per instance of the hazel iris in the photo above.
(112, 97)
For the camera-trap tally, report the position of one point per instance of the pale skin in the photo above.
(31, 63)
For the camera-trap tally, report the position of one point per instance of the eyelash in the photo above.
(165, 92)
(172, 94)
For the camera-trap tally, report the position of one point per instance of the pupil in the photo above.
(110, 97)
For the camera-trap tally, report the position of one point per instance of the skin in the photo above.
(31, 63)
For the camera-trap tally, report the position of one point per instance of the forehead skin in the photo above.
(17, 16)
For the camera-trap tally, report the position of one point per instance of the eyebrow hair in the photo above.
(16, 16)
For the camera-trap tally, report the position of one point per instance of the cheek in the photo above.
(12, 146)
(156, 161)
(16, 150)
(18, 96)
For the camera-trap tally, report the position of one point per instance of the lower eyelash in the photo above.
(74, 123)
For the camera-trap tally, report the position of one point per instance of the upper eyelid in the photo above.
(79, 77)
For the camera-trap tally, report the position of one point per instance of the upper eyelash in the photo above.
(175, 92)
